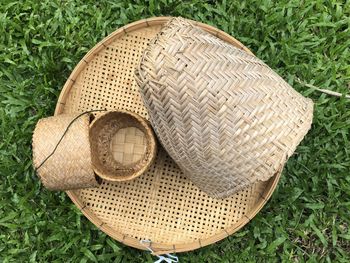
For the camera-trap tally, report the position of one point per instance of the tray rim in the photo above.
(158, 248)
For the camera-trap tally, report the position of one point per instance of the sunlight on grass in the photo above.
(308, 216)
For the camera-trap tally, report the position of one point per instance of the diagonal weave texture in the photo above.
(222, 114)
(70, 166)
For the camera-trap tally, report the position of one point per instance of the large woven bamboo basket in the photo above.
(222, 114)
(162, 205)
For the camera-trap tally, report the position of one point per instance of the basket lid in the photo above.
(62, 154)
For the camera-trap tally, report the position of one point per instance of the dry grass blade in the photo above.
(325, 91)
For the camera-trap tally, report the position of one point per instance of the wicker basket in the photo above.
(121, 161)
(222, 114)
(69, 167)
(163, 206)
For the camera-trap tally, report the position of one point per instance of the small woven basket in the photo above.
(222, 114)
(102, 131)
(69, 167)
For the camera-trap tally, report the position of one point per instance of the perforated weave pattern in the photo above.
(161, 205)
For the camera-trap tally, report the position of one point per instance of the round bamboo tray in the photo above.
(162, 205)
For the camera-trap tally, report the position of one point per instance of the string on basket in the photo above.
(64, 133)
(168, 258)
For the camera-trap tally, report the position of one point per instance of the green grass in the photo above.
(307, 219)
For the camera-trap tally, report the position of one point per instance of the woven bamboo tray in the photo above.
(161, 205)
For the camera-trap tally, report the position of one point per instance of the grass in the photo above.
(307, 219)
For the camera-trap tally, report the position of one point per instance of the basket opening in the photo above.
(122, 145)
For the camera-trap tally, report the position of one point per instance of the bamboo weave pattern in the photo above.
(70, 166)
(224, 116)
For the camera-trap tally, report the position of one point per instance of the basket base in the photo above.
(128, 145)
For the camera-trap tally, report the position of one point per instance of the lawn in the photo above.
(308, 217)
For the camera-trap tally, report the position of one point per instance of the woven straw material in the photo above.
(223, 115)
(102, 131)
(162, 205)
(128, 145)
(70, 166)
